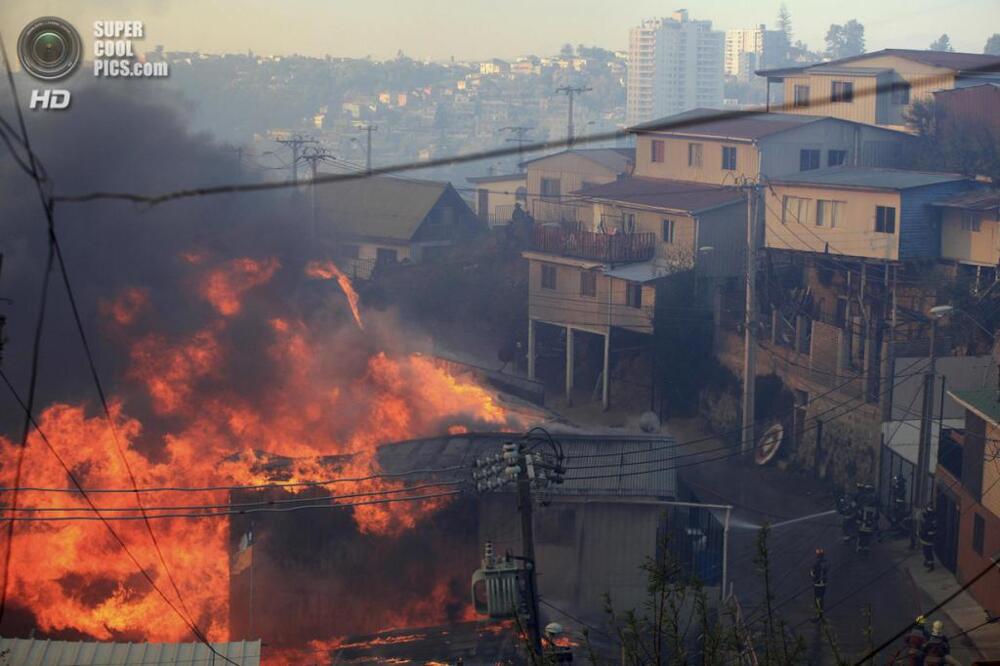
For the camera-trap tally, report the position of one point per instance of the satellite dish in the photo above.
(769, 444)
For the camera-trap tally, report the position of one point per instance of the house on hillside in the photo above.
(970, 233)
(878, 88)
(496, 196)
(727, 148)
(374, 220)
(552, 180)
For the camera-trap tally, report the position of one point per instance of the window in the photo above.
(628, 222)
(729, 158)
(829, 213)
(588, 284)
(633, 294)
(808, 159)
(978, 533)
(971, 222)
(694, 155)
(550, 188)
(901, 93)
(657, 151)
(794, 209)
(548, 277)
(800, 96)
(885, 219)
(384, 255)
(836, 158)
(668, 231)
(842, 91)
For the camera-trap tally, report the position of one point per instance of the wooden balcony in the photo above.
(608, 248)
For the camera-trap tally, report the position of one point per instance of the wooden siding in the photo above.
(572, 171)
(920, 221)
(855, 234)
(675, 163)
(972, 247)
(862, 110)
(565, 305)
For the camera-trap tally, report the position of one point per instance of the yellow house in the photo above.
(886, 214)
(970, 228)
(601, 282)
(552, 180)
(729, 148)
(878, 88)
(496, 196)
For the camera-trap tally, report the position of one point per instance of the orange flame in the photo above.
(73, 576)
(327, 270)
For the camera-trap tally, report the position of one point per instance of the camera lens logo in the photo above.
(49, 48)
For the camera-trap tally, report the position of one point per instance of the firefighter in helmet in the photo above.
(928, 532)
(819, 573)
(915, 642)
(937, 650)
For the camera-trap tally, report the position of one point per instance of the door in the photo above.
(948, 517)
(483, 207)
(384, 255)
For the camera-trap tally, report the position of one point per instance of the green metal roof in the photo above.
(867, 178)
(983, 402)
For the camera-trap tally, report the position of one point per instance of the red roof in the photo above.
(666, 194)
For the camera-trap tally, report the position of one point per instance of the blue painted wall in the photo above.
(919, 224)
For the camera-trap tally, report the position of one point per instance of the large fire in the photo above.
(324, 394)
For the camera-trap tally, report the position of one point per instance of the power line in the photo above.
(664, 125)
(48, 205)
(942, 604)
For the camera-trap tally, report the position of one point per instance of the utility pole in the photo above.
(753, 193)
(314, 156)
(520, 464)
(571, 92)
(926, 417)
(295, 142)
(369, 128)
(519, 133)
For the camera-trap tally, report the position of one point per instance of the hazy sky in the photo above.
(470, 29)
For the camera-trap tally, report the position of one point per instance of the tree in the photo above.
(942, 43)
(566, 50)
(844, 41)
(956, 141)
(783, 42)
(993, 45)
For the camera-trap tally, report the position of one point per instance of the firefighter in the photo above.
(928, 531)
(819, 573)
(847, 508)
(867, 520)
(937, 650)
(915, 642)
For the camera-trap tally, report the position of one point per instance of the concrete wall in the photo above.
(565, 304)
(855, 234)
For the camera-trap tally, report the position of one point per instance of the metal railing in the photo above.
(596, 246)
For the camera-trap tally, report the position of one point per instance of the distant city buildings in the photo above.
(750, 49)
(675, 64)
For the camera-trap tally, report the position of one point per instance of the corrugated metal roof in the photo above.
(727, 124)
(980, 200)
(614, 159)
(868, 178)
(606, 465)
(665, 194)
(982, 401)
(960, 62)
(380, 206)
(41, 652)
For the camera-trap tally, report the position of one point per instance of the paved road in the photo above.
(767, 494)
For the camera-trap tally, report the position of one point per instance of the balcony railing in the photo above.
(596, 246)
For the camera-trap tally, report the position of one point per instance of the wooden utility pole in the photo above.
(314, 156)
(369, 128)
(571, 92)
(295, 143)
(519, 138)
(528, 552)
(753, 193)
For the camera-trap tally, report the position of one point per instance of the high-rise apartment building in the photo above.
(675, 64)
(748, 49)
